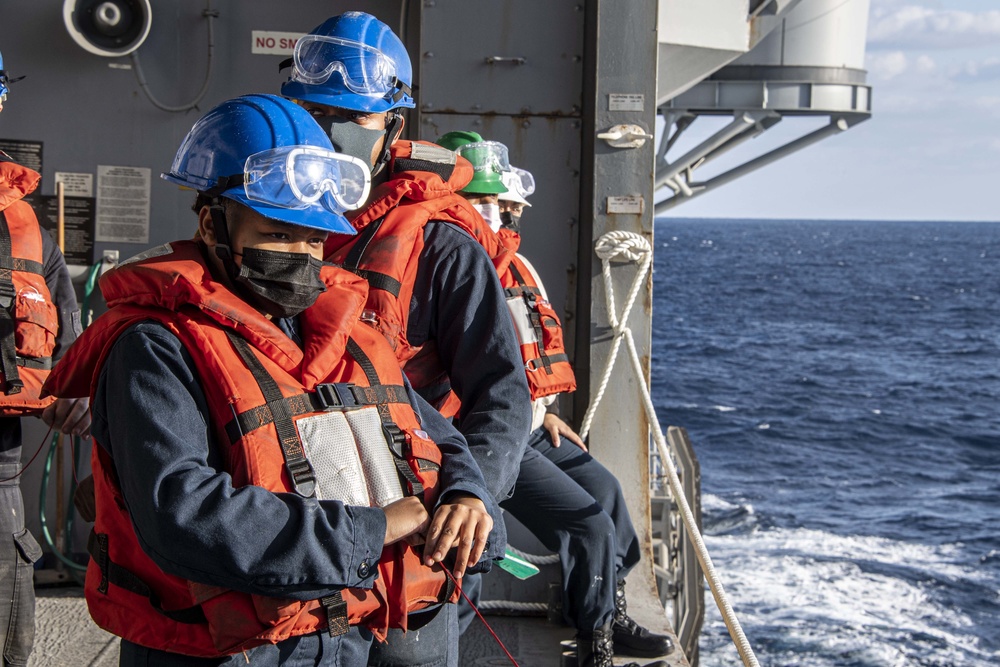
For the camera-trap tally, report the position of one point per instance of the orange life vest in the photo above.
(264, 395)
(422, 186)
(29, 320)
(539, 330)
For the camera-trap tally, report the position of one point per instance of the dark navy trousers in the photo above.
(18, 553)
(575, 507)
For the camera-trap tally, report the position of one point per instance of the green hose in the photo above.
(41, 509)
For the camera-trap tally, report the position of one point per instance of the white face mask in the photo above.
(490, 213)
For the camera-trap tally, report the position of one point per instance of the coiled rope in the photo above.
(532, 558)
(635, 248)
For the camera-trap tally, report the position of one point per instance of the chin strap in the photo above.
(223, 246)
(392, 131)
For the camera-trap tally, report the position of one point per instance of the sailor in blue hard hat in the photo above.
(5, 81)
(353, 74)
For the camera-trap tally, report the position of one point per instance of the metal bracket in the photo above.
(625, 136)
(498, 60)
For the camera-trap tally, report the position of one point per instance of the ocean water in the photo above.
(840, 382)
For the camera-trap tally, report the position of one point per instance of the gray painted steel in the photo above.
(618, 43)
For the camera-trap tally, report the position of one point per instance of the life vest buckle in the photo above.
(336, 396)
(7, 294)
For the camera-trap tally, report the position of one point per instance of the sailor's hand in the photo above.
(69, 416)
(557, 429)
(84, 501)
(404, 518)
(463, 524)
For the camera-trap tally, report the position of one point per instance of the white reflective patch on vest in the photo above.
(433, 153)
(376, 459)
(522, 320)
(350, 457)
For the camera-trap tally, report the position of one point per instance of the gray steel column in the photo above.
(620, 88)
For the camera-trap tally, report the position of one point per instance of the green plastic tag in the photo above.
(517, 566)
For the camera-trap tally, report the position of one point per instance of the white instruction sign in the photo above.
(272, 43)
(626, 102)
(626, 204)
(123, 204)
(76, 184)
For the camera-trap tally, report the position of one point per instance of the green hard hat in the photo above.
(488, 158)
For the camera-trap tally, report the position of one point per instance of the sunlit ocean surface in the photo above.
(841, 384)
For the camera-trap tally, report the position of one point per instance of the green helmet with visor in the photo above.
(489, 160)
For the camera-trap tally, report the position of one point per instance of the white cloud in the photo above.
(912, 26)
(925, 64)
(888, 65)
(983, 70)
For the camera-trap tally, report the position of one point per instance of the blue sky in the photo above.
(931, 150)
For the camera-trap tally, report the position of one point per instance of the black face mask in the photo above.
(510, 221)
(286, 283)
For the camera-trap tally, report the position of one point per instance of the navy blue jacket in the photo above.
(149, 412)
(459, 304)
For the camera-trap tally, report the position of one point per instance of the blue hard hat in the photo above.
(268, 154)
(3, 80)
(351, 61)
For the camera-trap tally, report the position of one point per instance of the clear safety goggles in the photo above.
(365, 70)
(298, 177)
(486, 156)
(523, 181)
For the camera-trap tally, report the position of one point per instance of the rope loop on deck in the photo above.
(635, 248)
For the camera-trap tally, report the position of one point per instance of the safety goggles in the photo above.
(490, 156)
(298, 177)
(523, 181)
(365, 70)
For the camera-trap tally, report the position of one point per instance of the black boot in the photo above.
(596, 649)
(630, 638)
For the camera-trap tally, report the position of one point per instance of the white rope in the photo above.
(532, 558)
(635, 248)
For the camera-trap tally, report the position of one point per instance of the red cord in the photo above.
(34, 456)
(494, 634)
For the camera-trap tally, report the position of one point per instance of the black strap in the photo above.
(531, 296)
(303, 478)
(8, 349)
(401, 89)
(23, 265)
(549, 359)
(394, 436)
(357, 252)
(442, 170)
(380, 281)
(352, 262)
(36, 363)
(223, 183)
(339, 396)
(287, 62)
(336, 614)
(113, 573)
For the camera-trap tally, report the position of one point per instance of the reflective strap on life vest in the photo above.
(533, 316)
(8, 350)
(395, 436)
(375, 279)
(301, 471)
(113, 573)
